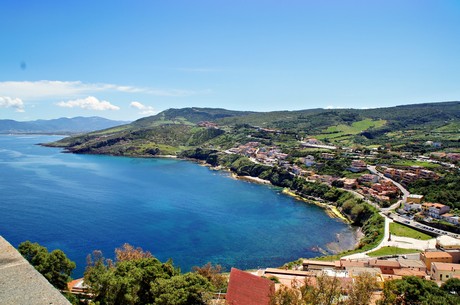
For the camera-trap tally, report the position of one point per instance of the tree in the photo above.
(214, 275)
(184, 289)
(452, 286)
(360, 291)
(413, 290)
(136, 277)
(128, 252)
(327, 291)
(287, 296)
(54, 266)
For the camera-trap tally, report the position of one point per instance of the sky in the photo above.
(128, 59)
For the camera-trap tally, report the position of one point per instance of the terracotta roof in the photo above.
(412, 263)
(436, 254)
(276, 271)
(384, 263)
(348, 264)
(318, 263)
(408, 272)
(446, 266)
(248, 289)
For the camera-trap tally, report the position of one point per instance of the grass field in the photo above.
(417, 163)
(391, 251)
(401, 230)
(342, 132)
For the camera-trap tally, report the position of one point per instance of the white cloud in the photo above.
(335, 107)
(90, 103)
(8, 102)
(46, 89)
(145, 110)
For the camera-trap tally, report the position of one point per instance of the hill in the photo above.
(175, 130)
(58, 126)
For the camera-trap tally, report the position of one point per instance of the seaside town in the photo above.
(435, 257)
(230, 152)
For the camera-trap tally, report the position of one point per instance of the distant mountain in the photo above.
(59, 126)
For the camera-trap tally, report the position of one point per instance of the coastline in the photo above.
(330, 210)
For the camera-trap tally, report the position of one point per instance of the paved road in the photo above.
(398, 241)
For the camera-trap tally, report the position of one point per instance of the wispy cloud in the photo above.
(47, 89)
(144, 110)
(8, 102)
(198, 70)
(90, 103)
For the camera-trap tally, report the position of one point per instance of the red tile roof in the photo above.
(248, 289)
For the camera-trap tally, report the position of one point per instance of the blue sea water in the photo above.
(172, 208)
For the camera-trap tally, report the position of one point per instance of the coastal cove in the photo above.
(171, 207)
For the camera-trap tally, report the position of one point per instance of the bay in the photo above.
(172, 208)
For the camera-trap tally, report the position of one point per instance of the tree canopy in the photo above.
(54, 266)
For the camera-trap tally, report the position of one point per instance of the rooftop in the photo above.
(436, 254)
(247, 289)
(446, 266)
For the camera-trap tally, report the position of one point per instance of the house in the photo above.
(410, 272)
(413, 264)
(408, 177)
(349, 183)
(429, 257)
(386, 267)
(207, 124)
(414, 198)
(327, 156)
(368, 178)
(247, 289)
(444, 271)
(451, 218)
(445, 242)
(453, 156)
(412, 207)
(435, 210)
(309, 265)
(309, 160)
(357, 166)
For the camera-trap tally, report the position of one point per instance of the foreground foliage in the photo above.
(327, 291)
(54, 266)
(413, 290)
(136, 277)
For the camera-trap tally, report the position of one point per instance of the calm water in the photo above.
(175, 209)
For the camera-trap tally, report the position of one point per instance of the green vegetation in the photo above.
(402, 230)
(54, 266)
(445, 190)
(343, 132)
(428, 165)
(328, 290)
(413, 290)
(405, 127)
(386, 251)
(136, 277)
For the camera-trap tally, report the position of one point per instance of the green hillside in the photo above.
(175, 130)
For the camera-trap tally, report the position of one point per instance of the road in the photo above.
(405, 192)
(398, 241)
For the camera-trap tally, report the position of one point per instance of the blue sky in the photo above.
(129, 59)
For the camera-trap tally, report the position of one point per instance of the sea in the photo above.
(175, 209)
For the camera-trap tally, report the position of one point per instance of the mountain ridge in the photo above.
(61, 125)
